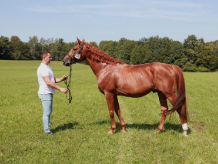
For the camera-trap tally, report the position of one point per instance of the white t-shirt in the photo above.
(45, 70)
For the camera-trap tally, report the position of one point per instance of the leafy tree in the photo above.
(216, 52)
(61, 54)
(16, 44)
(5, 47)
(165, 56)
(213, 45)
(176, 52)
(206, 59)
(42, 44)
(148, 55)
(122, 41)
(190, 42)
(111, 48)
(25, 51)
(157, 46)
(54, 48)
(66, 48)
(94, 44)
(143, 41)
(191, 55)
(190, 67)
(120, 52)
(216, 57)
(34, 47)
(141, 54)
(192, 47)
(102, 44)
(136, 55)
(128, 48)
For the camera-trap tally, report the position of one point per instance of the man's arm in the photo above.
(53, 85)
(58, 80)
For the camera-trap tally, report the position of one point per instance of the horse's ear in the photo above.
(83, 40)
(78, 41)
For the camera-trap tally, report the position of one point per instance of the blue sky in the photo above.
(109, 19)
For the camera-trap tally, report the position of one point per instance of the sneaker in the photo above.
(50, 133)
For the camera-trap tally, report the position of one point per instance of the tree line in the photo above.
(191, 55)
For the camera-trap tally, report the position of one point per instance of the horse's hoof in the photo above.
(109, 133)
(158, 131)
(185, 133)
(123, 131)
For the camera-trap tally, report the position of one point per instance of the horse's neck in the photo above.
(100, 60)
(96, 66)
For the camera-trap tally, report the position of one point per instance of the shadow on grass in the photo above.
(64, 127)
(144, 126)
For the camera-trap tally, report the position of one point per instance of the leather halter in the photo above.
(73, 59)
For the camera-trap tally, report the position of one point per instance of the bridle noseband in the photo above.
(73, 59)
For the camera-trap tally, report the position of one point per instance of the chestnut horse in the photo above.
(115, 78)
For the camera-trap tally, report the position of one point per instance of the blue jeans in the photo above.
(47, 104)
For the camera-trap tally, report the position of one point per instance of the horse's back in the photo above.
(134, 80)
(159, 76)
(137, 80)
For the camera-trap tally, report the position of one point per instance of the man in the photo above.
(47, 88)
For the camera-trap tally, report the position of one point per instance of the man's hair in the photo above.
(44, 54)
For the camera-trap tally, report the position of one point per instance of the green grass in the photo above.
(81, 127)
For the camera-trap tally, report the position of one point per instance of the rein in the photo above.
(68, 86)
(72, 62)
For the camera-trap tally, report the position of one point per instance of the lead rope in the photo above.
(68, 86)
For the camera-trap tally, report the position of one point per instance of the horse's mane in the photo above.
(100, 56)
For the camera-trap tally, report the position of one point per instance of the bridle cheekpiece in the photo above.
(77, 56)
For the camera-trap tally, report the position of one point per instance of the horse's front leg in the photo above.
(110, 102)
(117, 110)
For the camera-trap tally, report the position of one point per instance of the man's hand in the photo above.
(65, 77)
(63, 90)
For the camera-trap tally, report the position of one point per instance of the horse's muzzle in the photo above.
(66, 62)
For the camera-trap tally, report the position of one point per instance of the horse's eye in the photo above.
(74, 49)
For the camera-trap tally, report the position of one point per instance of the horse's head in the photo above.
(75, 54)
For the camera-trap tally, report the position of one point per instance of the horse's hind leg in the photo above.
(183, 121)
(117, 110)
(172, 100)
(164, 108)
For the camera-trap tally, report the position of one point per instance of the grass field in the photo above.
(81, 127)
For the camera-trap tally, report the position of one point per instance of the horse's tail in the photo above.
(180, 102)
